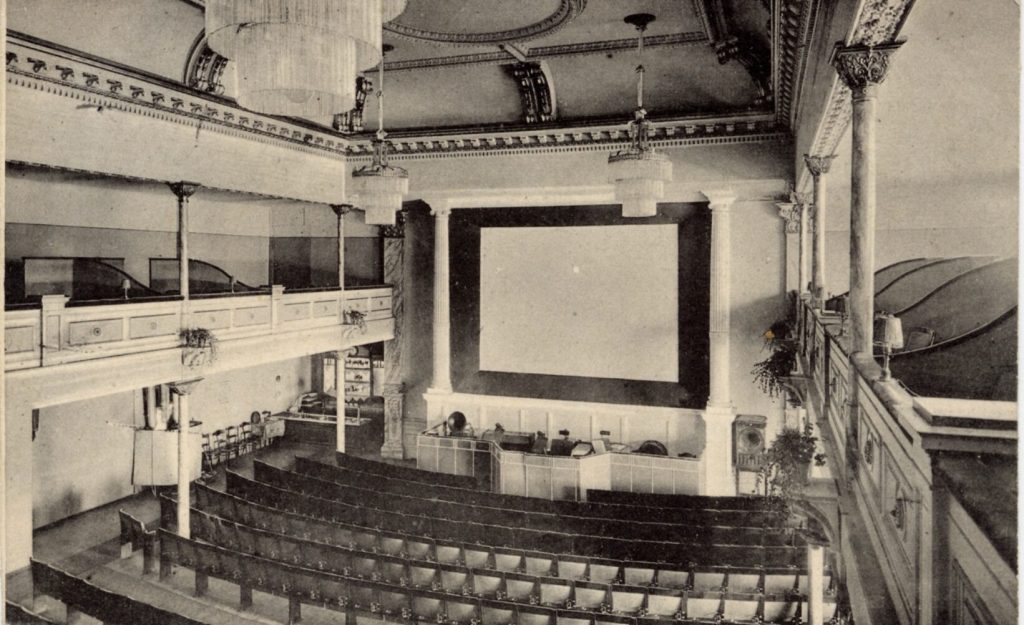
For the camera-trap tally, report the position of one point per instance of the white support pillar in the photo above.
(183, 191)
(339, 357)
(790, 214)
(719, 477)
(815, 583)
(442, 382)
(181, 391)
(802, 215)
(818, 166)
(339, 389)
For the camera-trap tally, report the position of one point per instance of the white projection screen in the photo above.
(589, 301)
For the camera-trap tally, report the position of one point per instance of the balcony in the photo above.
(57, 332)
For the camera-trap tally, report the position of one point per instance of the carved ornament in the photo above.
(567, 11)
(862, 67)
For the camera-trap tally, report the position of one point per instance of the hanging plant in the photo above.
(780, 363)
(198, 347)
(356, 318)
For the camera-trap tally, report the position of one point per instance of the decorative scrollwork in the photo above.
(861, 67)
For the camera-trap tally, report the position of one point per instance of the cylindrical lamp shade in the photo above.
(892, 331)
(298, 57)
(379, 190)
(639, 177)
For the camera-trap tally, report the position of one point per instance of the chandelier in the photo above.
(298, 58)
(639, 172)
(379, 188)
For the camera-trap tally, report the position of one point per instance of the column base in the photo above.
(392, 450)
(718, 472)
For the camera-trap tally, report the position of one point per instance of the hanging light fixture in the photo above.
(379, 188)
(298, 58)
(639, 172)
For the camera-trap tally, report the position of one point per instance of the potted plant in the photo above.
(770, 373)
(785, 471)
(198, 347)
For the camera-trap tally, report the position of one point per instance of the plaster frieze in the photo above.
(46, 67)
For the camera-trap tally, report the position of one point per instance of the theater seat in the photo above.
(740, 610)
(668, 578)
(664, 602)
(702, 608)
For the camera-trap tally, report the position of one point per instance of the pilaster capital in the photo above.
(720, 199)
(863, 67)
(184, 387)
(790, 213)
(183, 189)
(818, 165)
(342, 209)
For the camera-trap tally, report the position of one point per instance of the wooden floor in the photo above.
(87, 545)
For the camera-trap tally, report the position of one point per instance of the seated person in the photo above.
(562, 446)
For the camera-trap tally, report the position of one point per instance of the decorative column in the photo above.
(862, 68)
(181, 391)
(394, 386)
(339, 357)
(802, 216)
(341, 210)
(442, 382)
(818, 166)
(790, 214)
(719, 414)
(183, 190)
(339, 390)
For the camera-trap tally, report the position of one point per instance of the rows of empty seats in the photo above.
(410, 474)
(745, 511)
(243, 512)
(498, 527)
(351, 594)
(109, 607)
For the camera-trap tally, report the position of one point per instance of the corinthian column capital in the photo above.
(818, 165)
(863, 67)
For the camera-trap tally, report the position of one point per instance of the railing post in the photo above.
(51, 326)
(276, 294)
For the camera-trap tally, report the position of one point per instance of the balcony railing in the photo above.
(56, 333)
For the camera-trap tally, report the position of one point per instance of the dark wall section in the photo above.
(694, 278)
(304, 262)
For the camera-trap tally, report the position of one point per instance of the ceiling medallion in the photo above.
(567, 11)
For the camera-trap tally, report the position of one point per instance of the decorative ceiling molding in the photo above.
(792, 22)
(548, 52)
(567, 11)
(579, 140)
(44, 66)
(879, 22)
(535, 92)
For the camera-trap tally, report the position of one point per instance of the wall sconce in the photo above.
(889, 329)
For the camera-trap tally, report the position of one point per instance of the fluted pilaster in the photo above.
(442, 382)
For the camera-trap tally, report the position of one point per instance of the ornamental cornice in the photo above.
(38, 65)
(792, 20)
(879, 21)
(718, 131)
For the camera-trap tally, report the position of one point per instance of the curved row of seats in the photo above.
(409, 474)
(491, 574)
(584, 568)
(609, 520)
(350, 594)
(733, 511)
(101, 604)
(288, 491)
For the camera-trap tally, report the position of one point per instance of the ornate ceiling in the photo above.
(493, 66)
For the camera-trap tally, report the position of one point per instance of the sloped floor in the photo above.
(87, 545)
